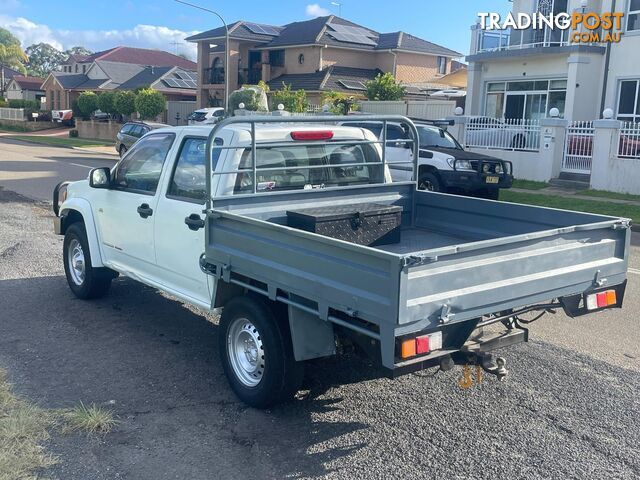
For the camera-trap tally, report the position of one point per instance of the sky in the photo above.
(163, 24)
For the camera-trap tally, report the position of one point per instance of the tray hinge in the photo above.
(413, 260)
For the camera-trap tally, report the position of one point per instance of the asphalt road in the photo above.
(568, 409)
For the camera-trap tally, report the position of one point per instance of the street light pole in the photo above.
(226, 48)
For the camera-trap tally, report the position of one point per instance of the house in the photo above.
(25, 88)
(523, 74)
(6, 74)
(121, 68)
(325, 53)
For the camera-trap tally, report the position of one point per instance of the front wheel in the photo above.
(429, 182)
(256, 353)
(84, 280)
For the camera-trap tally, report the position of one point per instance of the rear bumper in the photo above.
(470, 180)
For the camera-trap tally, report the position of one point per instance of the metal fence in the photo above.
(12, 114)
(502, 134)
(578, 147)
(629, 140)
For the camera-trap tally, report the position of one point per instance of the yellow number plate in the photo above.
(492, 180)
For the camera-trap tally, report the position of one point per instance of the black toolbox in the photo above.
(367, 224)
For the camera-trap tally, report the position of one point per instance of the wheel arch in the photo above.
(422, 169)
(78, 210)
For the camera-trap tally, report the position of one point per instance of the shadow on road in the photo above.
(155, 362)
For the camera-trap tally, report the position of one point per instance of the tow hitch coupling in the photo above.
(482, 361)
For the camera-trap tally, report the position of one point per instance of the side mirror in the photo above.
(100, 177)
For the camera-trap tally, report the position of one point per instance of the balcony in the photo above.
(213, 76)
(249, 76)
(507, 40)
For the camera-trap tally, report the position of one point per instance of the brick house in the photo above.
(325, 53)
(121, 68)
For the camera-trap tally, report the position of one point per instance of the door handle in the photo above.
(145, 210)
(194, 222)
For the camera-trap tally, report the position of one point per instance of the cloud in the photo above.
(315, 10)
(145, 36)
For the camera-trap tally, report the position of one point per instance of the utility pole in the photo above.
(226, 49)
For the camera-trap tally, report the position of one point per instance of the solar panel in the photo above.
(262, 29)
(172, 82)
(184, 75)
(352, 85)
(336, 27)
(351, 38)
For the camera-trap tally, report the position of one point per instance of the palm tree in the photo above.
(13, 57)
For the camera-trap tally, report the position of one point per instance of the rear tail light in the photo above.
(598, 300)
(312, 135)
(421, 345)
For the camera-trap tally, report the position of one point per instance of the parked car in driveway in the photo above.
(443, 166)
(206, 116)
(131, 132)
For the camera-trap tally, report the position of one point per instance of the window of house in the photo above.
(276, 58)
(442, 65)
(84, 68)
(633, 17)
(629, 101)
(528, 100)
(76, 68)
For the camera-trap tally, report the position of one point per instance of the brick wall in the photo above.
(411, 67)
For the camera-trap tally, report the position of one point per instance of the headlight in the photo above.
(460, 164)
(498, 169)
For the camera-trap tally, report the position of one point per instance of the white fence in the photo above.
(578, 148)
(420, 109)
(12, 114)
(502, 134)
(629, 140)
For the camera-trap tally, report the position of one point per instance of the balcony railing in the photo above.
(500, 40)
(249, 76)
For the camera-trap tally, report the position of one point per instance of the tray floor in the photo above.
(416, 239)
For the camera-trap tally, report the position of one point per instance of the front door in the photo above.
(125, 214)
(179, 225)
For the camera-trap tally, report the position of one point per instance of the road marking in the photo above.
(78, 165)
(634, 271)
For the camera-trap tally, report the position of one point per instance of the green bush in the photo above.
(3, 102)
(106, 102)
(248, 97)
(384, 87)
(87, 103)
(28, 104)
(150, 103)
(293, 100)
(73, 133)
(124, 102)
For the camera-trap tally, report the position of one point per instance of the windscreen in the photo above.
(435, 137)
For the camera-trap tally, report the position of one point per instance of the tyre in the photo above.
(430, 182)
(122, 150)
(257, 354)
(84, 280)
(518, 142)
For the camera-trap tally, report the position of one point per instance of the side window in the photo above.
(189, 177)
(140, 170)
(126, 130)
(395, 132)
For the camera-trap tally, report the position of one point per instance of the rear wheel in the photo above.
(518, 142)
(430, 182)
(84, 280)
(256, 353)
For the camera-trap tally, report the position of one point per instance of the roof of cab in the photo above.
(273, 131)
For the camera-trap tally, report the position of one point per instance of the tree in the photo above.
(293, 100)
(87, 103)
(11, 54)
(384, 87)
(125, 102)
(43, 59)
(78, 50)
(107, 103)
(246, 96)
(150, 103)
(7, 38)
(339, 103)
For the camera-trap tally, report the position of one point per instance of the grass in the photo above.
(614, 195)
(578, 204)
(529, 184)
(61, 141)
(90, 418)
(25, 427)
(13, 128)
